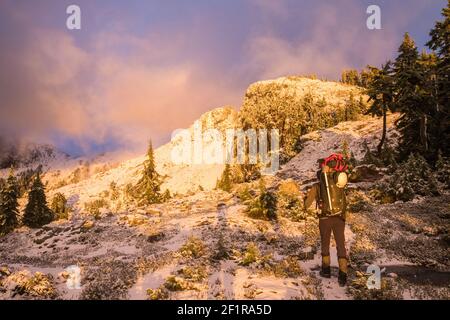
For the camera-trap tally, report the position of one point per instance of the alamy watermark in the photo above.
(374, 280)
(374, 20)
(73, 21)
(73, 281)
(232, 146)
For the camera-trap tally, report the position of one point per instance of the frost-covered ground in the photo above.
(204, 246)
(121, 256)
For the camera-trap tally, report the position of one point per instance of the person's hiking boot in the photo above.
(342, 278)
(326, 269)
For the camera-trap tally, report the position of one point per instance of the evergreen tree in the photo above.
(225, 182)
(440, 44)
(8, 205)
(59, 206)
(148, 187)
(428, 64)
(381, 92)
(37, 213)
(351, 77)
(409, 82)
(351, 108)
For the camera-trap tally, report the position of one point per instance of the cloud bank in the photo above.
(121, 80)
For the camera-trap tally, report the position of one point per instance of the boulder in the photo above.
(365, 173)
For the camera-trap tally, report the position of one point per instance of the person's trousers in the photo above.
(337, 226)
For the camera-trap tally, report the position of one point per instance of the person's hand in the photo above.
(325, 169)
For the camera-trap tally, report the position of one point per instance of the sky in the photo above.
(139, 69)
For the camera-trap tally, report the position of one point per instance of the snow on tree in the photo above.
(59, 206)
(37, 213)
(147, 190)
(9, 205)
(225, 182)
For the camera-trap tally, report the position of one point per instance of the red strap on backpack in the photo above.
(340, 165)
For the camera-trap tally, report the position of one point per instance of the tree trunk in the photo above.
(423, 131)
(383, 137)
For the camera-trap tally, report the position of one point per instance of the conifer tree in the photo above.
(8, 204)
(225, 182)
(351, 108)
(413, 123)
(381, 92)
(59, 206)
(440, 44)
(37, 213)
(148, 187)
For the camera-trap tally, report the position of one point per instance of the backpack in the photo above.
(336, 162)
(332, 200)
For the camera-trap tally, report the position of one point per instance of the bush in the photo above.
(225, 182)
(251, 254)
(288, 267)
(175, 284)
(357, 201)
(93, 207)
(244, 193)
(413, 177)
(114, 191)
(443, 170)
(193, 248)
(59, 206)
(36, 285)
(193, 273)
(388, 291)
(158, 294)
(289, 202)
(263, 207)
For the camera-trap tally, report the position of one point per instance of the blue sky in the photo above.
(140, 69)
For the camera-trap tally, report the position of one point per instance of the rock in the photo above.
(87, 225)
(155, 236)
(64, 275)
(392, 275)
(154, 212)
(365, 173)
(4, 271)
(134, 220)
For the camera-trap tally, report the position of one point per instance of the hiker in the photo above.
(329, 196)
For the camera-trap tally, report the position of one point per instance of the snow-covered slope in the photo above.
(320, 144)
(86, 179)
(335, 93)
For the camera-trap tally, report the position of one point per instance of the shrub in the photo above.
(413, 177)
(59, 206)
(289, 201)
(93, 207)
(251, 254)
(175, 284)
(388, 291)
(288, 267)
(225, 182)
(114, 191)
(193, 273)
(193, 248)
(443, 170)
(244, 193)
(357, 201)
(263, 207)
(38, 285)
(158, 294)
